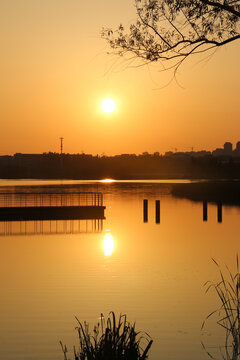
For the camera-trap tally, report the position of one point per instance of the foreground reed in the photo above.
(228, 312)
(111, 340)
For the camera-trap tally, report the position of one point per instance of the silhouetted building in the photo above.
(227, 148)
(218, 152)
(5, 160)
(238, 146)
(199, 153)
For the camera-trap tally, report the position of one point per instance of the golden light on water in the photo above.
(108, 244)
(108, 105)
(107, 180)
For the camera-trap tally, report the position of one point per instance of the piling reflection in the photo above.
(108, 244)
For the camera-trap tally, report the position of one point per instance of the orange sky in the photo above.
(55, 70)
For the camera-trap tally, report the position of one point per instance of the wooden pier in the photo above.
(20, 206)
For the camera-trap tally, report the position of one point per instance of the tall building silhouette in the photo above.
(227, 148)
(238, 147)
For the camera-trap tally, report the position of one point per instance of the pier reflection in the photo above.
(50, 227)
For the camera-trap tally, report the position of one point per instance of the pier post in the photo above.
(219, 212)
(205, 215)
(157, 203)
(145, 210)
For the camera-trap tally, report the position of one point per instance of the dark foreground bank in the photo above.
(225, 192)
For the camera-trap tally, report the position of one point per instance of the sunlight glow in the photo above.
(108, 105)
(107, 180)
(108, 244)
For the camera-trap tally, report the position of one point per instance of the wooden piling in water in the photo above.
(157, 206)
(219, 212)
(205, 215)
(145, 210)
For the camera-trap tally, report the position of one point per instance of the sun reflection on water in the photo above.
(107, 180)
(108, 244)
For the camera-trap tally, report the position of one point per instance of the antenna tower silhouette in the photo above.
(61, 139)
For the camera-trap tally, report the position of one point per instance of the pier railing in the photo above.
(49, 199)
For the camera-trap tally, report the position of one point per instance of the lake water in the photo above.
(152, 272)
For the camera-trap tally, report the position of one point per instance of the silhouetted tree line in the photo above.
(125, 166)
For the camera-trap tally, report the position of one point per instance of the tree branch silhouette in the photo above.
(172, 30)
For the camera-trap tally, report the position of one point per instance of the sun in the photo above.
(108, 105)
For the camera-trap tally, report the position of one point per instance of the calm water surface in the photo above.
(152, 272)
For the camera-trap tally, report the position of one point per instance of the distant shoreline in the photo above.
(222, 191)
(123, 167)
